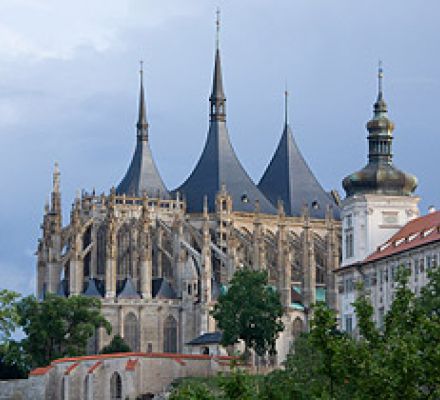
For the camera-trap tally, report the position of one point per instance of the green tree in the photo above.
(57, 326)
(117, 345)
(8, 314)
(191, 391)
(251, 311)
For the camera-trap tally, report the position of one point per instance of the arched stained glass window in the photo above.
(170, 335)
(131, 332)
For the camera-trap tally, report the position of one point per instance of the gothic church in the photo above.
(159, 259)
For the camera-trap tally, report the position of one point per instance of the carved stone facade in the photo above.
(159, 262)
(159, 270)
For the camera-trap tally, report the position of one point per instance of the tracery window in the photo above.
(124, 265)
(131, 331)
(101, 249)
(170, 335)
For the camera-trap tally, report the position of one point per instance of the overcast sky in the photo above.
(69, 87)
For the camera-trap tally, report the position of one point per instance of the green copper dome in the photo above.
(379, 176)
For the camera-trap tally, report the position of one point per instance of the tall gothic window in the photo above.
(170, 335)
(87, 266)
(131, 332)
(115, 387)
(124, 267)
(101, 250)
(297, 327)
(320, 261)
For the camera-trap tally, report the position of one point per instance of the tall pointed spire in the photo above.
(218, 165)
(217, 98)
(142, 124)
(288, 178)
(142, 175)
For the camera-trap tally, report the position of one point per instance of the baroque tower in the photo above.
(380, 197)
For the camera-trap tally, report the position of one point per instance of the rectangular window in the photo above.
(416, 270)
(348, 283)
(349, 244)
(348, 322)
(422, 265)
(381, 318)
(428, 262)
(348, 233)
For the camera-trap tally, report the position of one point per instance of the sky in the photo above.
(69, 88)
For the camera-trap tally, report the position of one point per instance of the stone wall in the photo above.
(90, 377)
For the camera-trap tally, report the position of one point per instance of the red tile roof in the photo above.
(131, 364)
(416, 233)
(144, 355)
(40, 371)
(71, 368)
(94, 366)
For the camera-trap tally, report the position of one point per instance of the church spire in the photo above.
(142, 175)
(217, 99)
(142, 124)
(380, 127)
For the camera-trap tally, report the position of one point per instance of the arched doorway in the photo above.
(170, 335)
(131, 331)
(116, 387)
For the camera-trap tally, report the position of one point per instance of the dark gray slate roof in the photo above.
(218, 165)
(129, 291)
(162, 289)
(142, 175)
(207, 338)
(92, 289)
(289, 178)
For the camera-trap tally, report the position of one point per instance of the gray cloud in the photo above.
(69, 89)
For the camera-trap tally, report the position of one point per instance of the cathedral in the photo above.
(158, 259)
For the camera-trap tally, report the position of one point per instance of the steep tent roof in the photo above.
(218, 165)
(129, 291)
(288, 178)
(142, 175)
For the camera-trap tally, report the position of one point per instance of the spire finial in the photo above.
(217, 25)
(380, 79)
(56, 178)
(286, 106)
(142, 125)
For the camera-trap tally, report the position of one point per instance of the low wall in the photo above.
(90, 377)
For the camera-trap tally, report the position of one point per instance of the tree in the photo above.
(191, 391)
(8, 314)
(251, 311)
(117, 345)
(58, 326)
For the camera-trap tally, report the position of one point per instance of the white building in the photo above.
(379, 203)
(416, 246)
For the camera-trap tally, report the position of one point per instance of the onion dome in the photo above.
(142, 176)
(380, 176)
